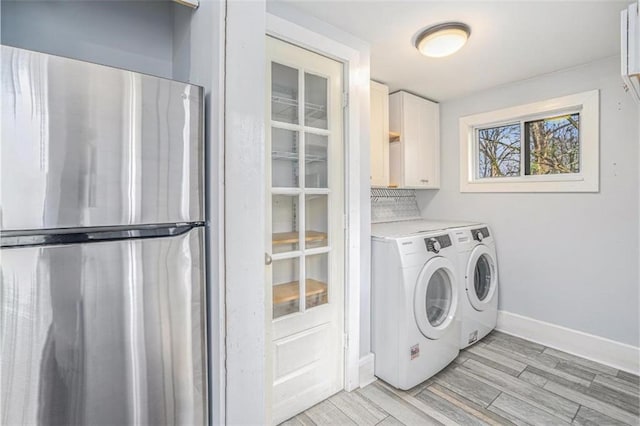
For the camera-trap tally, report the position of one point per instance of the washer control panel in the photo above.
(436, 243)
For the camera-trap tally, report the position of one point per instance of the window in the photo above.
(499, 151)
(549, 146)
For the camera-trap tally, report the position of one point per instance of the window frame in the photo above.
(587, 180)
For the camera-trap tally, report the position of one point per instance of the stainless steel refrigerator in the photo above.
(102, 285)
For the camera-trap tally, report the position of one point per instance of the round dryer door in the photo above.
(482, 277)
(435, 297)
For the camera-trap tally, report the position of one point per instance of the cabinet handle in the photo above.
(267, 259)
(424, 180)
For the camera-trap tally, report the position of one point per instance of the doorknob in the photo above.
(267, 259)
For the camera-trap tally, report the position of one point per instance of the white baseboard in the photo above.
(595, 348)
(367, 369)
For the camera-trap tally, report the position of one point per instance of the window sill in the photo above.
(575, 183)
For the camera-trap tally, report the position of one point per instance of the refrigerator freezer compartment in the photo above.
(87, 145)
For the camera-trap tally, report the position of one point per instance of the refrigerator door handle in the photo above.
(12, 239)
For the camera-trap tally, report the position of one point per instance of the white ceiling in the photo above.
(510, 40)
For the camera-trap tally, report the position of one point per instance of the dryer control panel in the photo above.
(480, 234)
(466, 239)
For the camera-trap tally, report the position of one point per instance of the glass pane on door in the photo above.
(286, 287)
(482, 277)
(284, 158)
(284, 93)
(438, 301)
(316, 160)
(284, 223)
(316, 214)
(300, 181)
(317, 271)
(315, 95)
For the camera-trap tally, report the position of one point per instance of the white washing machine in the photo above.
(478, 274)
(415, 332)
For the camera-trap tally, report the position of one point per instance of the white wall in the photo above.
(567, 259)
(245, 239)
(133, 35)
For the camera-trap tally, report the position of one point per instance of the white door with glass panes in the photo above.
(305, 253)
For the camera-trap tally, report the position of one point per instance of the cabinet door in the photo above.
(396, 161)
(418, 165)
(379, 128)
(422, 146)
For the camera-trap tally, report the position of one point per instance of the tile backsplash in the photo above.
(388, 205)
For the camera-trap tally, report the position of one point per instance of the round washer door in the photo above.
(435, 297)
(482, 277)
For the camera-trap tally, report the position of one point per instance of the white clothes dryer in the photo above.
(478, 267)
(415, 332)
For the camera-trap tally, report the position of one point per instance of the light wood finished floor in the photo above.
(502, 380)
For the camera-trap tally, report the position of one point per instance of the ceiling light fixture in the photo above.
(443, 39)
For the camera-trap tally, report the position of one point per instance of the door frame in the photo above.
(352, 60)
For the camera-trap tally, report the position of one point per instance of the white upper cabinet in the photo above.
(379, 134)
(415, 155)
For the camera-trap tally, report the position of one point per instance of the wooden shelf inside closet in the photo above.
(288, 292)
(293, 237)
(394, 137)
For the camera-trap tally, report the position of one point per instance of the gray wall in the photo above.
(567, 259)
(181, 43)
(136, 35)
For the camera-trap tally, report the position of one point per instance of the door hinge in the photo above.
(345, 100)
(344, 221)
(346, 340)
